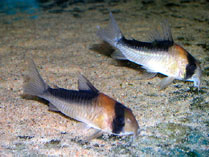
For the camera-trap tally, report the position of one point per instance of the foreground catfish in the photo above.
(160, 55)
(86, 105)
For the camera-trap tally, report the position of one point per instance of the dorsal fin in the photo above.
(162, 32)
(85, 85)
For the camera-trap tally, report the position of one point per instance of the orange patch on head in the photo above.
(181, 60)
(104, 120)
(182, 53)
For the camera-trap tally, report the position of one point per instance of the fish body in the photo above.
(161, 55)
(86, 105)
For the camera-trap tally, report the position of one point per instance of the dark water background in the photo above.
(33, 8)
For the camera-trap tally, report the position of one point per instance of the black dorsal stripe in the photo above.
(155, 45)
(119, 119)
(72, 95)
(191, 66)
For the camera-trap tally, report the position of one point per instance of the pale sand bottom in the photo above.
(172, 121)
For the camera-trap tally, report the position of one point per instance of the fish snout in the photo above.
(131, 125)
(197, 77)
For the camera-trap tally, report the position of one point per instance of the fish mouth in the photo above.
(130, 133)
(197, 78)
(126, 133)
(197, 83)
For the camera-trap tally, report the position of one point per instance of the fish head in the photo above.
(119, 118)
(131, 125)
(193, 70)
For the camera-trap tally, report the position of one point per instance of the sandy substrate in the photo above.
(172, 121)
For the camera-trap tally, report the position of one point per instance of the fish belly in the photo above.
(155, 62)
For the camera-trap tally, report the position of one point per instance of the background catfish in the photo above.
(161, 55)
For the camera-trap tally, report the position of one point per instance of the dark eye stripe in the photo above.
(191, 66)
(119, 120)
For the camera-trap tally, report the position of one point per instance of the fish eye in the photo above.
(128, 120)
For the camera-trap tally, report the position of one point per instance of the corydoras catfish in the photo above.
(160, 55)
(86, 105)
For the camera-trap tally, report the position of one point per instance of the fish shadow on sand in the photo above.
(45, 102)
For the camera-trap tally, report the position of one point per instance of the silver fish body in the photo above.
(86, 105)
(161, 55)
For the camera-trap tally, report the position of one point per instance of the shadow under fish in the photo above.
(161, 55)
(86, 105)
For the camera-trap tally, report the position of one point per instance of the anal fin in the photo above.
(84, 126)
(147, 76)
(165, 82)
(118, 55)
(52, 108)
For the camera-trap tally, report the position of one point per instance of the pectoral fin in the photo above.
(96, 134)
(165, 82)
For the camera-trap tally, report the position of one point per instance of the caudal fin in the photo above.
(111, 33)
(34, 84)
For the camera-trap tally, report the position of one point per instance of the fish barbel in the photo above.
(161, 55)
(86, 105)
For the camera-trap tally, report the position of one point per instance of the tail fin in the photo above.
(111, 33)
(34, 84)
